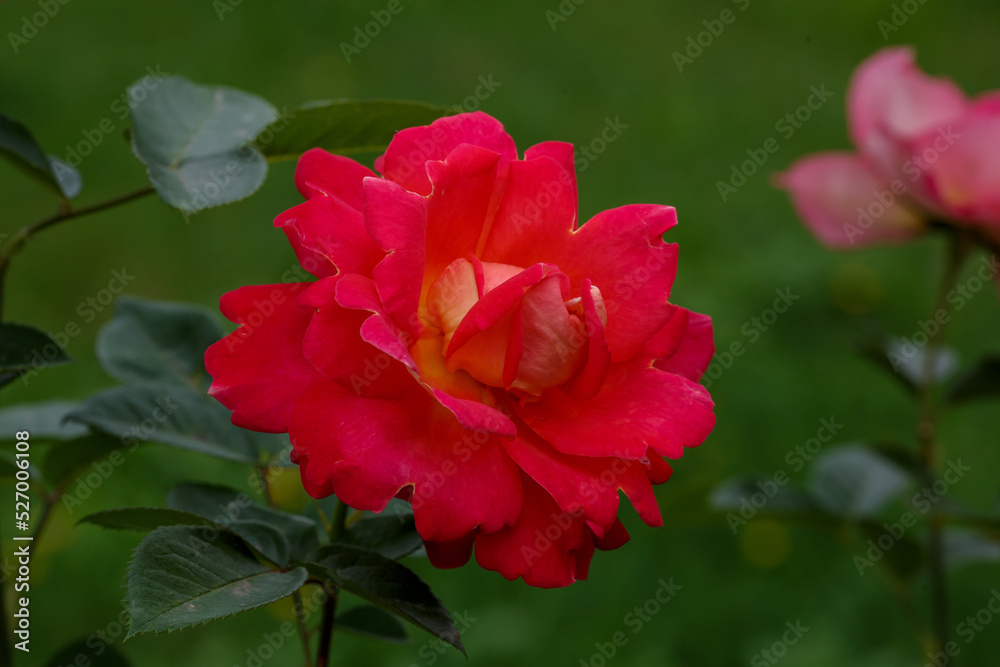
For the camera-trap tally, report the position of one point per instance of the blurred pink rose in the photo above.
(924, 153)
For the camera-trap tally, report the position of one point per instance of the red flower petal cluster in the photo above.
(467, 346)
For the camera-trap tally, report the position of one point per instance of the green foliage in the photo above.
(183, 576)
(373, 622)
(158, 342)
(386, 584)
(22, 346)
(18, 145)
(344, 126)
(194, 141)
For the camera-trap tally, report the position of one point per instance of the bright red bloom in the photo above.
(924, 152)
(469, 348)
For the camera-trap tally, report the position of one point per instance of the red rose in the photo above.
(471, 349)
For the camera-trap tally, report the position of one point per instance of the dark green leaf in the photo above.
(150, 341)
(172, 415)
(44, 420)
(964, 547)
(19, 146)
(980, 381)
(64, 460)
(195, 142)
(852, 481)
(373, 622)
(388, 535)
(181, 576)
(143, 519)
(23, 348)
(88, 652)
(343, 126)
(278, 535)
(387, 584)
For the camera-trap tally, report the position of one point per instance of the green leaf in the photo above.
(64, 460)
(963, 547)
(195, 142)
(388, 535)
(173, 415)
(905, 361)
(852, 481)
(43, 420)
(386, 584)
(19, 146)
(181, 576)
(763, 495)
(372, 622)
(979, 382)
(23, 348)
(343, 126)
(143, 519)
(279, 536)
(152, 341)
(88, 652)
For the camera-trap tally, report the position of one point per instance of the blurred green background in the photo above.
(607, 60)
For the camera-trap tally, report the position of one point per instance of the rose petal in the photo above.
(320, 173)
(333, 344)
(548, 548)
(397, 221)
(587, 484)
(684, 346)
(328, 235)
(259, 371)
(366, 450)
(890, 101)
(638, 407)
(405, 158)
(845, 204)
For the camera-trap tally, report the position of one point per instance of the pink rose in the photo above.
(469, 348)
(924, 154)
